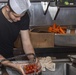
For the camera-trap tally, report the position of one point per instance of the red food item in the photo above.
(31, 68)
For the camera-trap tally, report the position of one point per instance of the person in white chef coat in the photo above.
(14, 20)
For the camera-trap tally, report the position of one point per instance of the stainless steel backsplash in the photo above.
(66, 15)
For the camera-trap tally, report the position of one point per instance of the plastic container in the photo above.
(30, 69)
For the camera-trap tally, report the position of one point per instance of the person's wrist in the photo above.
(4, 61)
(31, 56)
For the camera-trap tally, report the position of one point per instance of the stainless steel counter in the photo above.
(61, 69)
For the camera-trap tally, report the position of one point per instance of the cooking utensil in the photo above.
(23, 55)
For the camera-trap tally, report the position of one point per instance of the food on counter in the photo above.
(30, 68)
(57, 29)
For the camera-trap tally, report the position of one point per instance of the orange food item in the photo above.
(57, 29)
(50, 29)
(54, 26)
(62, 31)
(31, 68)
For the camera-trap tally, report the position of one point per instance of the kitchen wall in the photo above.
(66, 16)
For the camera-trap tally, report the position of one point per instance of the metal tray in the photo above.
(61, 69)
